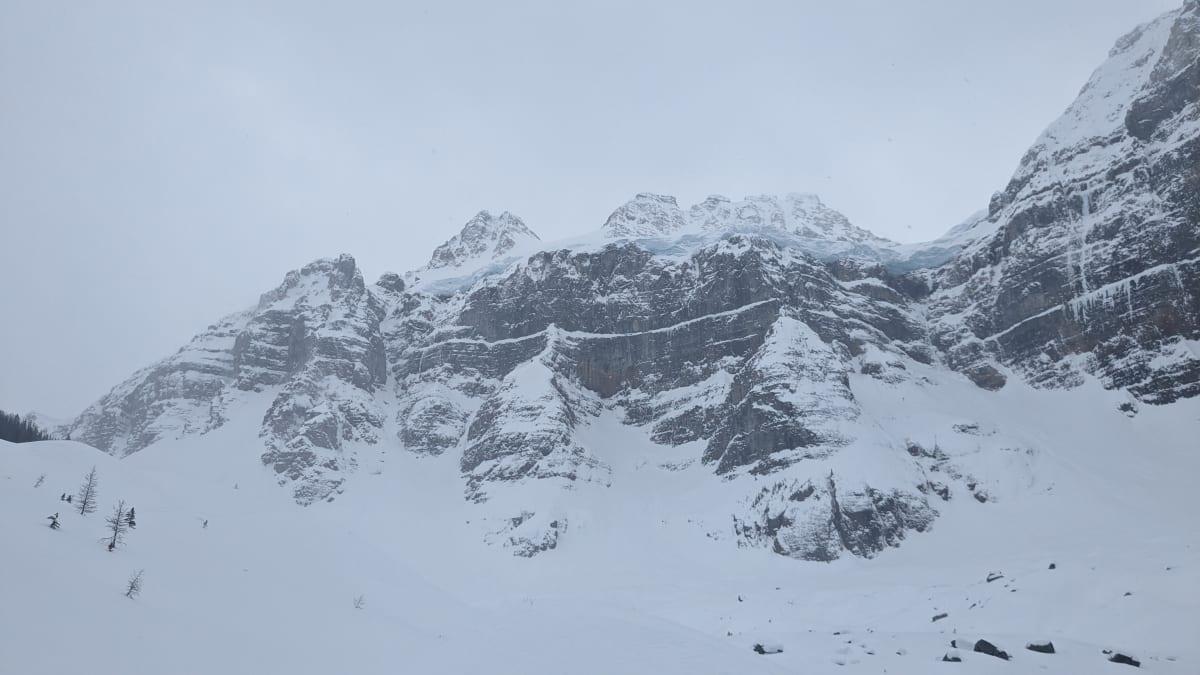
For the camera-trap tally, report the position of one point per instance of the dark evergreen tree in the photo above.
(16, 430)
(130, 518)
(53, 521)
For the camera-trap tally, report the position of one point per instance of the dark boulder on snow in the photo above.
(767, 648)
(952, 657)
(985, 647)
(1126, 660)
(939, 617)
(1046, 647)
(992, 576)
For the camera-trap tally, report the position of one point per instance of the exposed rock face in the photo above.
(528, 534)
(526, 429)
(1094, 266)
(314, 340)
(176, 397)
(336, 363)
(784, 402)
(750, 334)
(812, 521)
(745, 345)
(646, 215)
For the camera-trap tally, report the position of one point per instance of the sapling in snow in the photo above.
(86, 498)
(118, 525)
(133, 587)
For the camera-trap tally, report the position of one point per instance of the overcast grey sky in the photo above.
(162, 163)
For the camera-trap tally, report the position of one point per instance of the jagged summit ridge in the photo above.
(800, 219)
(485, 237)
(646, 215)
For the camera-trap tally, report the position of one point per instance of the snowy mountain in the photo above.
(484, 238)
(741, 337)
(682, 404)
(1092, 267)
(798, 221)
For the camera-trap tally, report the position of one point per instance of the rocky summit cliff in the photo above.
(827, 389)
(1093, 268)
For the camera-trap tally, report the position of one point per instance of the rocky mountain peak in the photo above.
(796, 219)
(646, 215)
(800, 214)
(484, 237)
(338, 276)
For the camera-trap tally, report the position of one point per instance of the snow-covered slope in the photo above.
(645, 581)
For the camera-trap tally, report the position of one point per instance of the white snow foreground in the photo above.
(643, 582)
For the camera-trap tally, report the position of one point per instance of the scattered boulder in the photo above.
(952, 657)
(1046, 647)
(985, 647)
(939, 617)
(1052, 566)
(992, 576)
(1127, 660)
(767, 648)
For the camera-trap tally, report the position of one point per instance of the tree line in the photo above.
(16, 430)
